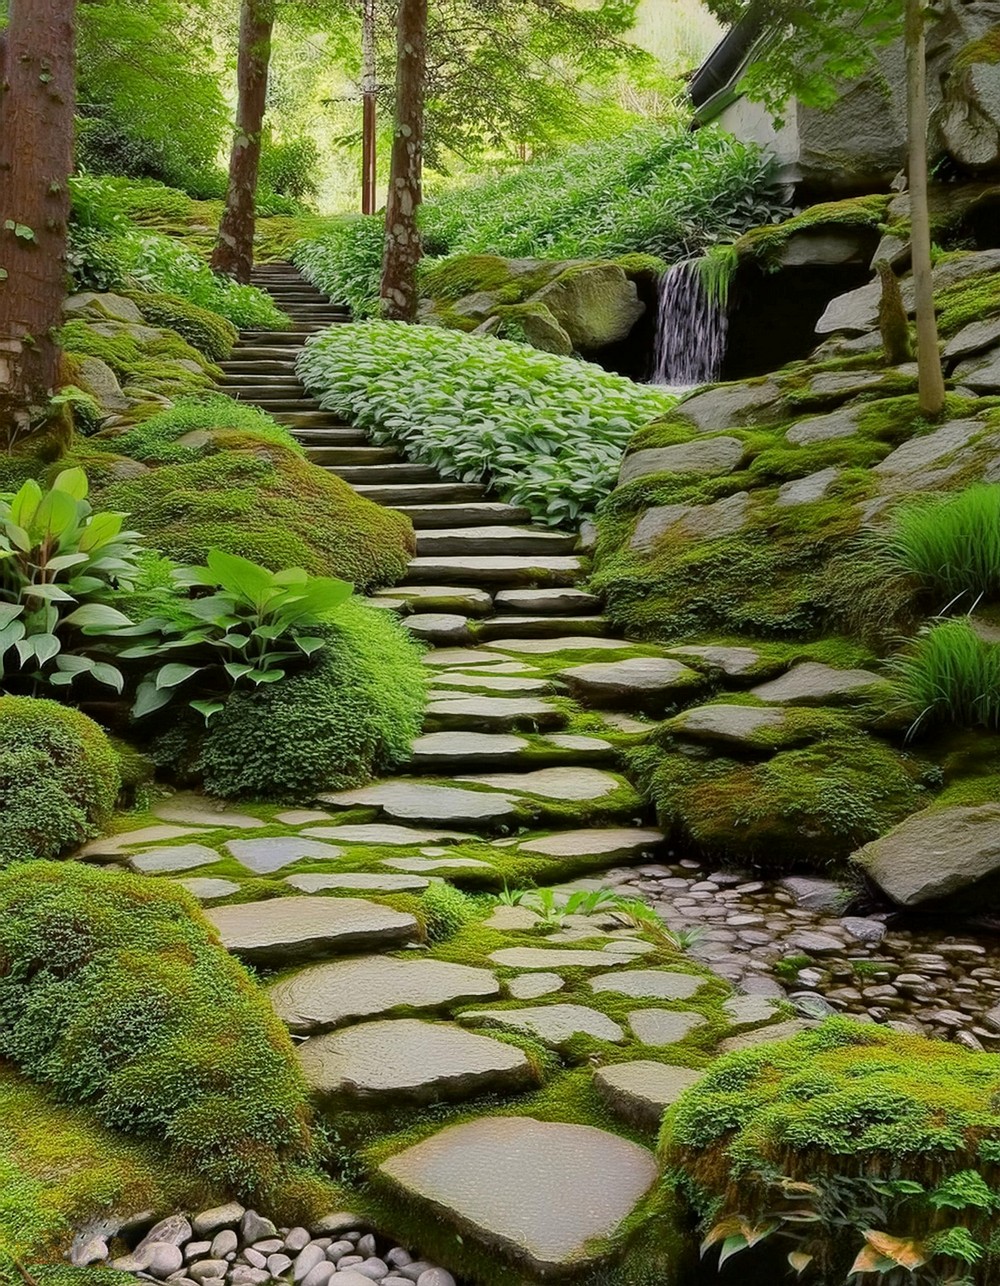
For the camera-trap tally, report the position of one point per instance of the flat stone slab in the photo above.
(358, 882)
(495, 713)
(496, 569)
(573, 643)
(553, 783)
(180, 857)
(638, 680)
(825, 428)
(430, 865)
(810, 683)
(804, 491)
(446, 747)
(540, 1191)
(724, 517)
(764, 1035)
(748, 1011)
(414, 801)
(612, 842)
(383, 833)
(412, 1060)
(728, 405)
(465, 599)
(640, 1092)
(551, 958)
(734, 661)
(439, 627)
(509, 683)
(208, 890)
(930, 449)
(461, 656)
(264, 856)
(555, 1025)
(937, 854)
(663, 1026)
(729, 725)
(296, 927)
(529, 986)
(197, 810)
(702, 455)
(113, 845)
(327, 995)
(649, 984)
(301, 816)
(555, 601)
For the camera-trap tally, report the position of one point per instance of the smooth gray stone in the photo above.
(264, 856)
(306, 1261)
(224, 1242)
(175, 1230)
(935, 855)
(208, 1222)
(576, 784)
(748, 1011)
(810, 683)
(358, 882)
(733, 661)
(662, 1026)
(181, 857)
(319, 1275)
(296, 927)
(701, 456)
(209, 890)
(613, 842)
(556, 1025)
(254, 1227)
(649, 984)
(417, 801)
(641, 1091)
(637, 679)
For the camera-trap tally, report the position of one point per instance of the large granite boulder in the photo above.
(595, 304)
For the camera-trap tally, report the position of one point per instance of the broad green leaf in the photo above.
(10, 612)
(109, 675)
(149, 698)
(97, 616)
(63, 562)
(237, 669)
(100, 531)
(239, 575)
(47, 646)
(266, 676)
(19, 537)
(207, 708)
(71, 663)
(309, 643)
(57, 514)
(51, 593)
(25, 504)
(73, 482)
(174, 673)
(732, 1246)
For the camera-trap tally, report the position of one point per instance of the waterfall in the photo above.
(691, 329)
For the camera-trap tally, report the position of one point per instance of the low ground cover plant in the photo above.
(549, 431)
(949, 674)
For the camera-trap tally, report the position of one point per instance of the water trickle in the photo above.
(691, 330)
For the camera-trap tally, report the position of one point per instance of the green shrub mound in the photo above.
(59, 778)
(168, 365)
(163, 438)
(846, 1141)
(550, 431)
(115, 992)
(206, 331)
(266, 503)
(352, 715)
(950, 674)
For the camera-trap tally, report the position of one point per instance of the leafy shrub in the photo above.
(206, 331)
(59, 778)
(446, 909)
(189, 1050)
(950, 674)
(351, 715)
(266, 503)
(346, 263)
(550, 431)
(859, 1150)
(157, 439)
(950, 544)
(289, 167)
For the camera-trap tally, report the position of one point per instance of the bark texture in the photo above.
(931, 378)
(233, 254)
(402, 235)
(37, 100)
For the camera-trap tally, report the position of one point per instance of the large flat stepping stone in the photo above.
(557, 602)
(810, 683)
(732, 661)
(358, 882)
(649, 984)
(461, 657)
(179, 857)
(465, 600)
(569, 643)
(509, 683)
(197, 810)
(503, 540)
(552, 958)
(415, 801)
(411, 1060)
(297, 927)
(439, 627)
(555, 1025)
(496, 714)
(541, 1191)
(764, 1035)
(383, 833)
(301, 816)
(530, 986)
(433, 865)
(114, 845)
(640, 1092)
(613, 842)
(553, 783)
(495, 569)
(731, 725)
(327, 995)
(264, 856)
(663, 1026)
(443, 748)
(209, 890)
(638, 681)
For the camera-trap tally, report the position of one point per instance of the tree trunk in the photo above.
(369, 88)
(37, 100)
(402, 235)
(931, 378)
(233, 254)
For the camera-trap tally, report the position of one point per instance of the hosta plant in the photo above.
(59, 562)
(241, 626)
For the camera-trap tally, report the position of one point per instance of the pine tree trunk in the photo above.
(37, 100)
(402, 235)
(931, 377)
(233, 253)
(369, 89)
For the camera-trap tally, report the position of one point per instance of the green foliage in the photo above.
(446, 910)
(346, 263)
(872, 1151)
(190, 1052)
(352, 714)
(949, 674)
(206, 331)
(548, 430)
(266, 503)
(158, 439)
(59, 779)
(289, 167)
(154, 365)
(59, 561)
(950, 545)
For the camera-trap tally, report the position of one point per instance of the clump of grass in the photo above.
(950, 675)
(951, 544)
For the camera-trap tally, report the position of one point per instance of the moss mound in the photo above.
(887, 1138)
(206, 331)
(167, 365)
(189, 1050)
(59, 778)
(190, 429)
(268, 504)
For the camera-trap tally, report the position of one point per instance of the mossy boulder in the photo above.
(530, 324)
(212, 335)
(596, 305)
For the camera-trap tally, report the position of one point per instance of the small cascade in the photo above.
(691, 329)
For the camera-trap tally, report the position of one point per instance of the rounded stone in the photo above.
(162, 1259)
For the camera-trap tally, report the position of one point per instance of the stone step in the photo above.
(309, 419)
(385, 473)
(253, 368)
(251, 380)
(494, 570)
(541, 627)
(440, 629)
(286, 405)
(494, 540)
(271, 396)
(261, 352)
(432, 517)
(464, 713)
(553, 602)
(276, 338)
(295, 928)
(334, 437)
(399, 495)
(462, 599)
(437, 751)
(330, 457)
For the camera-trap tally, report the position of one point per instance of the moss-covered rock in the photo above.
(210, 334)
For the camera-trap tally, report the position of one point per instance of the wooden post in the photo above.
(369, 88)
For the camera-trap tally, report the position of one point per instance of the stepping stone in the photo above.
(495, 569)
(498, 714)
(196, 810)
(748, 1011)
(411, 1060)
(439, 627)
(430, 865)
(301, 816)
(577, 744)
(113, 845)
(728, 725)
(541, 627)
(554, 1025)
(543, 1192)
(810, 683)
(553, 783)
(555, 601)
(733, 661)
(551, 958)
(443, 748)
(640, 1092)
(292, 928)
(182, 857)
(358, 882)
(513, 919)
(494, 682)
(571, 643)
(382, 833)
(264, 856)
(645, 681)
(616, 842)
(663, 1026)
(649, 984)
(494, 539)
(208, 890)
(415, 801)
(530, 986)
(764, 1035)
(461, 656)
(464, 600)
(327, 995)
